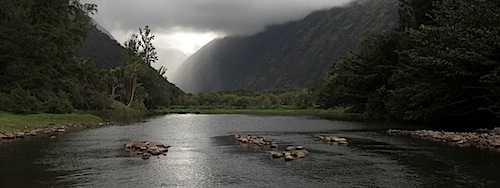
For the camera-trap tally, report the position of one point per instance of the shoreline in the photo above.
(48, 129)
(485, 139)
(331, 114)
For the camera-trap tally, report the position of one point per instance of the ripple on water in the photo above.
(204, 155)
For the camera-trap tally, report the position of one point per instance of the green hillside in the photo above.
(101, 49)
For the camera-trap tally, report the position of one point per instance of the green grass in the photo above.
(13, 122)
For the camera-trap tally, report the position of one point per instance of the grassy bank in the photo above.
(13, 122)
(338, 113)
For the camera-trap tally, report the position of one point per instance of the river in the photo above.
(204, 155)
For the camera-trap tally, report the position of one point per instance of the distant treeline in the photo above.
(441, 65)
(251, 99)
(39, 71)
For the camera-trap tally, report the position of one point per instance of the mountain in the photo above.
(105, 52)
(171, 59)
(102, 48)
(103, 30)
(292, 55)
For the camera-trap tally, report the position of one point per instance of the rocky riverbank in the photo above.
(47, 130)
(481, 138)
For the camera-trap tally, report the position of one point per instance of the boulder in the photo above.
(268, 140)
(274, 145)
(301, 154)
(289, 148)
(146, 156)
(275, 154)
(147, 148)
(236, 136)
(243, 140)
(10, 135)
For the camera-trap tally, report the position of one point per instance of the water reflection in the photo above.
(203, 155)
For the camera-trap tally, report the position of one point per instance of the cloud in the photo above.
(184, 26)
(220, 16)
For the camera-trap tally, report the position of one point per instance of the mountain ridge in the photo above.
(291, 55)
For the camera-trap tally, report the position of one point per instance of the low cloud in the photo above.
(220, 16)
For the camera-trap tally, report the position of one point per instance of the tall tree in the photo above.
(37, 39)
(135, 66)
(453, 69)
(147, 51)
(158, 92)
(361, 80)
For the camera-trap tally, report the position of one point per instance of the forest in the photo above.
(244, 99)
(39, 72)
(440, 66)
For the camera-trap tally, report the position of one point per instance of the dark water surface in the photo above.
(204, 155)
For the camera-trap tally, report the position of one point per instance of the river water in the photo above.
(204, 155)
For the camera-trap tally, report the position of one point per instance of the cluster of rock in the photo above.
(288, 154)
(255, 140)
(146, 149)
(47, 130)
(481, 138)
(333, 139)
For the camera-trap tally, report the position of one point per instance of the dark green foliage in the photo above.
(36, 56)
(455, 63)
(57, 103)
(135, 83)
(89, 92)
(360, 80)
(413, 13)
(39, 71)
(24, 102)
(20, 101)
(443, 70)
(161, 93)
(292, 55)
(251, 99)
(103, 51)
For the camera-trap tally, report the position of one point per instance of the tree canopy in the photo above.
(39, 71)
(442, 66)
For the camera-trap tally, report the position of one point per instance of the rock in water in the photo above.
(147, 148)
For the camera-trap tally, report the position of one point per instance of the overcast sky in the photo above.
(199, 20)
(187, 25)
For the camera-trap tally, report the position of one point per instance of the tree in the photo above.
(413, 13)
(147, 51)
(157, 91)
(361, 80)
(134, 69)
(453, 69)
(37, 41)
